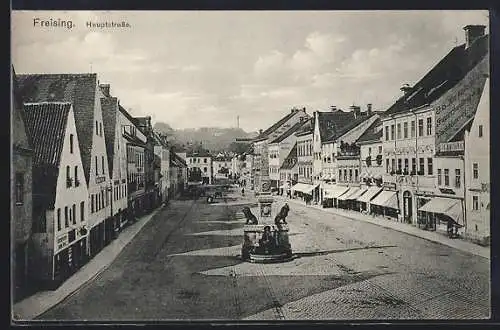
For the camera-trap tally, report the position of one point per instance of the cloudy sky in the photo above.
(205, 68)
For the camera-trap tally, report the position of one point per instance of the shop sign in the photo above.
(62, 241)
(459, 104)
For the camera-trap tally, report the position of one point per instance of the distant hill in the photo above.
(214, 139)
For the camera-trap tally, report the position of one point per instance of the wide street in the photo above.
(185, 264)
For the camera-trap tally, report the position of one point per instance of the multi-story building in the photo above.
(60, 196)
(116, 149)
(247, 171)
(83, 92)
(21, 192)
(477, 173)
(221, 167)
(340, 155)
(200, 165)
(279, 149)
(289, 173)
(136, 178)
(305, 157)
(430, 113)
(260, 147)
(178, 174)
(162, 151)
(372, 166)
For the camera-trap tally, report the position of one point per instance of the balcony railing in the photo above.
(451, 146)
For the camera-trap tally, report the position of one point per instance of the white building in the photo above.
(60, 196)
(221, 167)
(200, 163)
(477, 172)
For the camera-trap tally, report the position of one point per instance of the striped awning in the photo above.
(386, 199)
(348, 194)
(368, 195)
(305, 188)
(357, 194)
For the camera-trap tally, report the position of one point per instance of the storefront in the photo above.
(353, 199)
(96, 239)
(344, 200)
(70, 257)
(304, 191)
(331, 194)
(365, 199)
(386, 204)
(443, 214)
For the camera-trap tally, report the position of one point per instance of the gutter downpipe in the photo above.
(416, 161)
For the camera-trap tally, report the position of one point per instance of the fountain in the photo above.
(266, 239)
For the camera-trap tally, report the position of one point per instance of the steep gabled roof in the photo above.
(338, 132)
(443, 76)
(275, 126)
(307, 128)
(46, 126)
(289, 132)
(291, 159)
(109, 116)
(371, 134)
(332, 122)
(20, 138)
(77, 89)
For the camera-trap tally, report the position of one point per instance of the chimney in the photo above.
(405, 89)
(356, 110)
(260, 131)
(472, 32)
(369, 109)
(333, 108)
(105, 89)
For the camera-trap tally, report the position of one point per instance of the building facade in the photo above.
(200, 167)
(60, 202)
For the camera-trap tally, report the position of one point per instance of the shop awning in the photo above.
(358, 193)
(305, 188)
(386, 199)
(334, 191)
(446, 206)
(348, 194)
(369, 194)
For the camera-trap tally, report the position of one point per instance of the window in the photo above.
(412, 128)
(205, 169)
(345, 175)
(446, 177)
(102, 198)
(420, 127)
(457, 178)
(475, 203)
(19, 188)
(96, 166)
(356, 175)
(205, 160)
(340, 175)
(350, 175)
(480, 130)
(414, 165)
(429, 166)
(66, 217)
(76, 176)
(82, 211)
(439, 177)
(429, 126)
(71, 143)
(393, 164)
(421, 166)
(387, 165)
(58, 219)
(102, 161)
(399, 164)
(92, 207)
(399, 131)
(100, 129)
(387, 133)
(393, 133)
(379, 149)
(369, 151)
(74, 214)
(405, 130)
(96, 128)
(475, 171)
(407, 166)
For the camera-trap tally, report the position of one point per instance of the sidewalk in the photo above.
(40, 302)
(458, 244)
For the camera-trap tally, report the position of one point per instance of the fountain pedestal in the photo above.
(266, 242)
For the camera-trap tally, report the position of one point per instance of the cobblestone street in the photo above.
(185, 264)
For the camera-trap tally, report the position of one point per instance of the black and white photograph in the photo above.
(250, 166)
